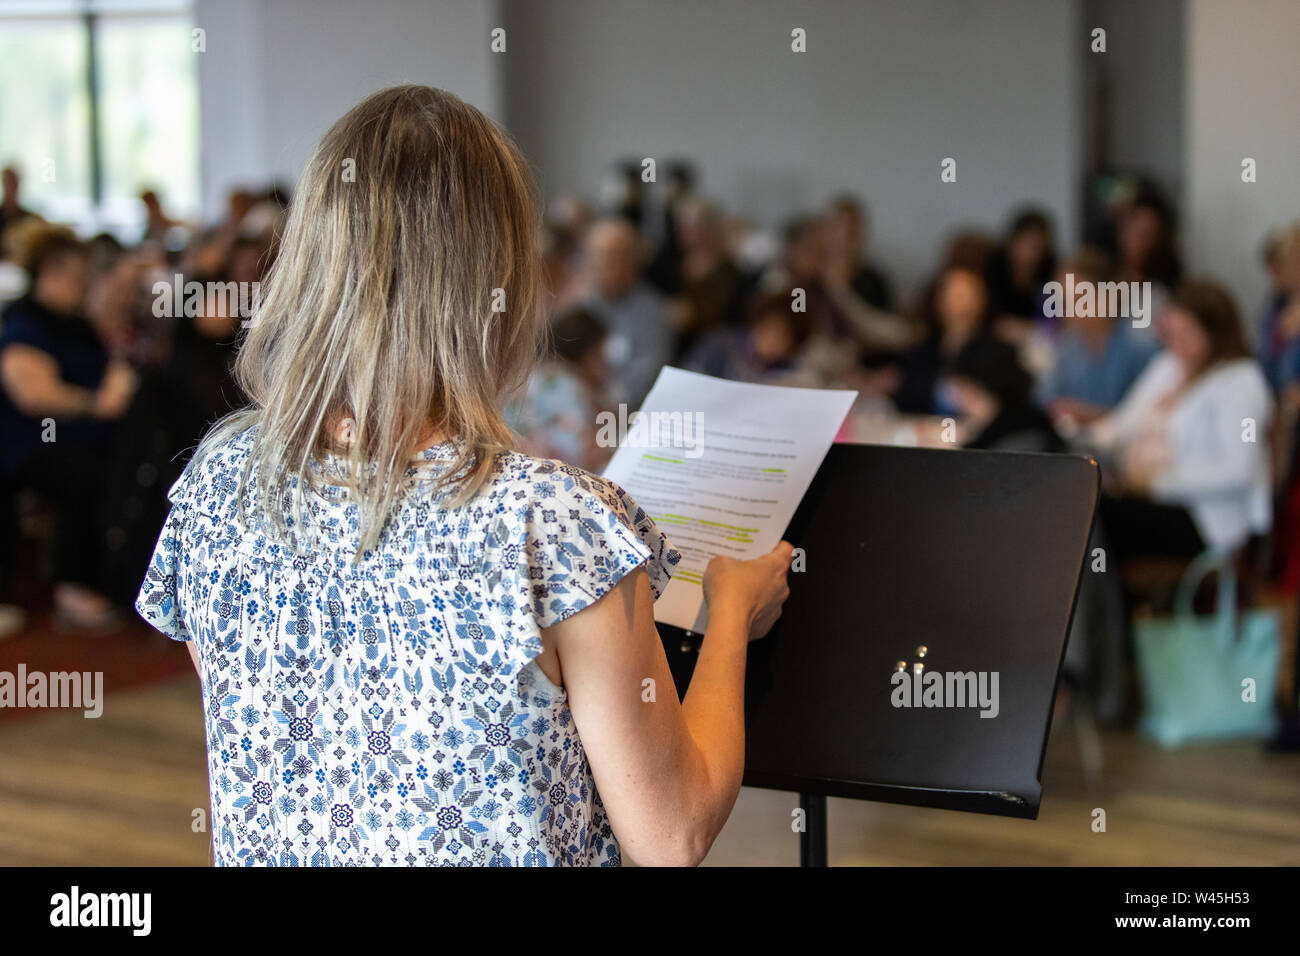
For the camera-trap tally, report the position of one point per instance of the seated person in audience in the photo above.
(1279, 354)
(1016, 272)
(148, 338)
(766, 350)
(1097, 358)
(563, 271)
(556, 417)
(847, 263)
(961, 312)
(119, 303)
(971, 250)
(568, 219)
(664, 271)
(205, 344)
(1279, 338)
(13, 281)
(994, 396)
(753, 248)
(1020, 267)
(58, 393)
(858, 289)
(1189, 443)
(1148, 251)
(640, 338)
(178, 400)
(712, 287)
(12, 211)
(158, 225)
(800, 273)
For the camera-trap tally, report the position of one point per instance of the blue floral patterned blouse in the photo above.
(390, 711)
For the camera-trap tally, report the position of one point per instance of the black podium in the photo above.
(965, 563)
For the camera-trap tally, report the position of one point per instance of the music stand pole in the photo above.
(812, 841)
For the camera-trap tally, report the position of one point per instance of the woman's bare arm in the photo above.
(668, 772)
(31, 380)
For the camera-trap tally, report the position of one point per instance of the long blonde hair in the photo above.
(415, 218)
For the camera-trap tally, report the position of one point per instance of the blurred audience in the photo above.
(766, 350)
(12, 211)
(664, 271)
(640, 339)
(1189, 443)
(1020, 266)
(103, 393)
(800, 272)
(1147, 250)
(858, 289)
(59, 394)
(158, 226)
(961, 311)
(846, 253)
(1097, 357)
(556, 416)
(1279, 334)
(994, 396)
(711, 289)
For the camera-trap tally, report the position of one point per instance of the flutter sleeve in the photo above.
(157, 600)
(584, 535)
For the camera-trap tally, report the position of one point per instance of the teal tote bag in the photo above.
(1195, 671)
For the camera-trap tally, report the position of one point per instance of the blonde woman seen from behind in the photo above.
(418, 646)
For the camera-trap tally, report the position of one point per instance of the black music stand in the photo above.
(975, 555)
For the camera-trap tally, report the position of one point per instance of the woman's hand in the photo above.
(754, 589)
(1076, 410)
(668, 771)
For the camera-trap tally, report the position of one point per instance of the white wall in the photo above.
(231, 122)
(885, 91)
(1243, 87)
(1142, 76)
(278, 73)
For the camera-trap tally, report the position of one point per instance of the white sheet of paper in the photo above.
(721, 467)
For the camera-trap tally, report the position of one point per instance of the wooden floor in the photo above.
(123, 789)
(119, 789)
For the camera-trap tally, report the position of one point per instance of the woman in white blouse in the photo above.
(1188, 446)
(418, 646)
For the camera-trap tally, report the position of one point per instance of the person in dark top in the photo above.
(712, 289)
(178, 401)
(765, 350)
(664, 272)
(11, 210)
(1279, 327)
(1021, 265)
(847, 262)
(59, 392)
(960, 311)
(1147, 241)
(994, 395)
